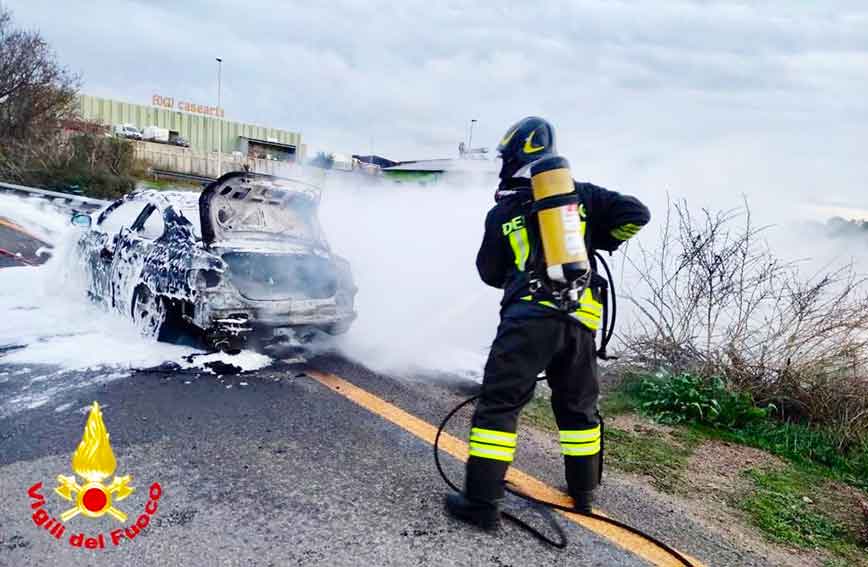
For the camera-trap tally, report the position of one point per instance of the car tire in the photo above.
(150, 313)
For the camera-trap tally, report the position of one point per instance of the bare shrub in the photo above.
(36, 91)
(716, 301)
(37, 98)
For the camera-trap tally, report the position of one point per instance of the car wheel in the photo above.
(149, 312)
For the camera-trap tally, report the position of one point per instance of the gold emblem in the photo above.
(94, 461)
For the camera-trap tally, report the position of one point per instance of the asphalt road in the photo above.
(274, 468)
(283, 471)
(18, 248)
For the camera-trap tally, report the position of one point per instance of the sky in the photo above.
(706, 100)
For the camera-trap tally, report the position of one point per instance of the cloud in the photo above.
(645, 95)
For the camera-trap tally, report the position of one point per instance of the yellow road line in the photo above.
(530, 485)
(11, 225)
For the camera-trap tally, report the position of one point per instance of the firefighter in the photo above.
(539, 331)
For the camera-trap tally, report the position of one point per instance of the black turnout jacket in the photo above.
(511, 250)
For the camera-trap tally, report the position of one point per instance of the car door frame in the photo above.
(130, 255)
(97, 250)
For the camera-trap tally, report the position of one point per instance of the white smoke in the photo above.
(413, 248)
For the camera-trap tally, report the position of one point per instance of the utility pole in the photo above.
(219, 119)
(470, 141)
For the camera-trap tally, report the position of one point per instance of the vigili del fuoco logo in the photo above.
(93, 462)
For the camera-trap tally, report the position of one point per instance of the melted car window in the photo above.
(298, 220)
(154, 226)
(124, 216)
(191, 213)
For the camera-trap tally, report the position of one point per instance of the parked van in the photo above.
(127, 131)
(156, 134)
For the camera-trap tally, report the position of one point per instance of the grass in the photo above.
(656, 454)
(538, 413)
(784, 506)
(166, 184)
(800, 445)
(659, 455)
(712, 410)
(789, 505)
(776, 501)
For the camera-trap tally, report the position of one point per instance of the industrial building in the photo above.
(198, 125)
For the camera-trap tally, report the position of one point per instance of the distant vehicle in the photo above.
(244, 260)
(127, 131)
(179, 141)
(156, 134)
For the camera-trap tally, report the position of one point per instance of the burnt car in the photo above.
(245, 258)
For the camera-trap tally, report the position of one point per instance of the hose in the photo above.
(561, 542)
(608, 323)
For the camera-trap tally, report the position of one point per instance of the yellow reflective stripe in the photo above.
(581, 450)
(527, 298)
(625, 231)
(588, 298)
(590, 311)
(501, 438)
(591, 308)
(489, 452)
(520, 247)
(593, 323)
(548, 304)
(504, 434)
(579, 435)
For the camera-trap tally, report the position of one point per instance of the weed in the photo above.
(538, 412)
(715, 411)
(685, 397)
(655, 454)
(782, 507)
(622, 398)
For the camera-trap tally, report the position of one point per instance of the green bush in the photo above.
(680, 398)
(100, 167)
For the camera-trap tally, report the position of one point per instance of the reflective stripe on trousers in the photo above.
(580, 442)
(492, 444)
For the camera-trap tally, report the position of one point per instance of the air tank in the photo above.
(560, 226)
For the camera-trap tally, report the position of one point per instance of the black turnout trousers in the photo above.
(522, 349)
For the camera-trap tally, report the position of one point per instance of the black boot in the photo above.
(582, 501)
(583, 476)
(485, 515)
(483, 492)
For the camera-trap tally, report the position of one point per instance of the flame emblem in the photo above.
(94, 461)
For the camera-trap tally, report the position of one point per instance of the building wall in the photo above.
(187, 160)
(200, 130)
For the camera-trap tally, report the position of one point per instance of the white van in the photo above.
(127, 131)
